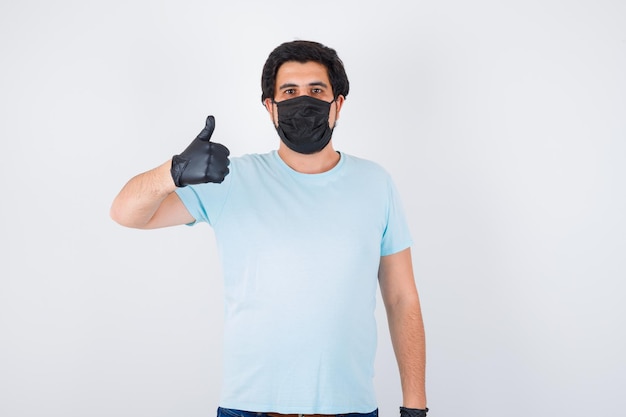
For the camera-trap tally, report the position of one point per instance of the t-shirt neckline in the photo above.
(322, 175)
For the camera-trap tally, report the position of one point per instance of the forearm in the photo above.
(407, 335)
(140, 198)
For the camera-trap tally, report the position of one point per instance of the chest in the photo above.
(294, 215)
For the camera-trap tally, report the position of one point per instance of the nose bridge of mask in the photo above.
(302, 101)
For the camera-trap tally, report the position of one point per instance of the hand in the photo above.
(203, 161)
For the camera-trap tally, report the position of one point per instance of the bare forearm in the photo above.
(407, 335)
(139, 199)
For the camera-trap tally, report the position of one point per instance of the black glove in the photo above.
(413, 412)
(202, 161)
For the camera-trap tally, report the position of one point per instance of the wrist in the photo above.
(413, 412)
(164, 173)
(415, 399)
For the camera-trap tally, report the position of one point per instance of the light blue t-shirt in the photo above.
(300, 256)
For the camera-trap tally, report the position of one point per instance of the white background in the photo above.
(503, 124)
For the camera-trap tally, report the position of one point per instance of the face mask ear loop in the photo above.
(274, 112)
(336, 112)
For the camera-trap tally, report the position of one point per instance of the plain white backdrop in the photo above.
(503, 124)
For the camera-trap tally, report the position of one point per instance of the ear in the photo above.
(268, 103)
(339, 103)
(269, 106)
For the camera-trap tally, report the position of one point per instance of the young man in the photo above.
(305, 235)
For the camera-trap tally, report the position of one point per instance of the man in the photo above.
(305, 235)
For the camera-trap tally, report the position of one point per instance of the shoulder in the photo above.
(252, 161)
(251, 158)
(366, 167)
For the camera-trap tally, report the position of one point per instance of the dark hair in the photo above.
(304, 51)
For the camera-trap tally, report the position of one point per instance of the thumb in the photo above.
(206, 133)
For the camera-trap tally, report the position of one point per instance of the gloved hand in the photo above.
(203, 161)
(413, 412)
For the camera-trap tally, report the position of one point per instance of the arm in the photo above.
(397, 286)
(149, 200)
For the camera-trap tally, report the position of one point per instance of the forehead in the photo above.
(301, 73)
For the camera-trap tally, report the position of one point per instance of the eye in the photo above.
(317, 91)
(289, 91)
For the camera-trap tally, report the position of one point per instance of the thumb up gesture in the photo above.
(203, 161)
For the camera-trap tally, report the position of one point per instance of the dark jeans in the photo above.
(229, 412)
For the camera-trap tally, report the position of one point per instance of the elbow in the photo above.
(119, 216)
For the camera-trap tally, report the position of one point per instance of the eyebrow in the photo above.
(314, 83)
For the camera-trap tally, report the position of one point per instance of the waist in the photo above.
(300, 415)
(228, 412)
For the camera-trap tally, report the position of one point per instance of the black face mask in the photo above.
(303, 124)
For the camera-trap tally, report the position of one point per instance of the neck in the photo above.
(316, 163)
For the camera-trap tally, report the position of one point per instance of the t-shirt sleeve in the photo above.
(396, 236)
(205, 201)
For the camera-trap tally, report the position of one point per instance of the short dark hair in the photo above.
(304, 51)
